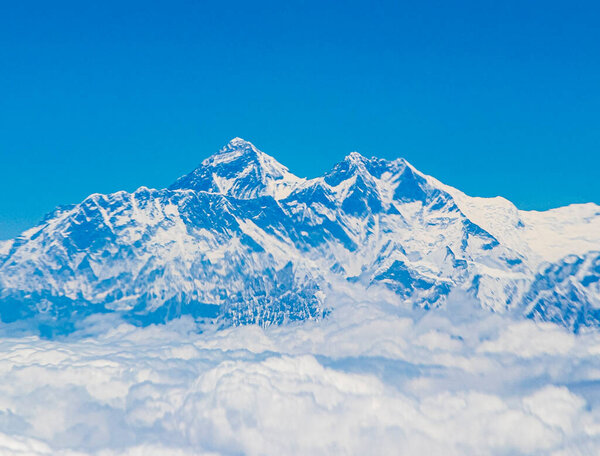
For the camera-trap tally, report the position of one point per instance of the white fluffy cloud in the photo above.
(368, 380)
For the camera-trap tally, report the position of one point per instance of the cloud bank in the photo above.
(367, 380)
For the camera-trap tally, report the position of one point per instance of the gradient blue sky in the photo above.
(493, 97)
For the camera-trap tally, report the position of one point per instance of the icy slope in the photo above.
(243, 240)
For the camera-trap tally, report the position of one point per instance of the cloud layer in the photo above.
(368, 380)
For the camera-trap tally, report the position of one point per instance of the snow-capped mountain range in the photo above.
(242, 240)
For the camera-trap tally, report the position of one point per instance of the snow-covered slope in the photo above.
(240, 239)
(543, 236)
(567, 292)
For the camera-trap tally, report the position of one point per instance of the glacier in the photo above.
(241, 240)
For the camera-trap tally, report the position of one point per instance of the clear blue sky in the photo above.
(493, 97)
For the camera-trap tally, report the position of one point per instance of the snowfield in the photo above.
(369, 379)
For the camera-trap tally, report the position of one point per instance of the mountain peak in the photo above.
(357, 164)
(355, 157)
(234, 149)
(239, 141)
(240, 170)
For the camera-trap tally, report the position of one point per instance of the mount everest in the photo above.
(242, 240)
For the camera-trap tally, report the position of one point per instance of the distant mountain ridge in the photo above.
(241, 240)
